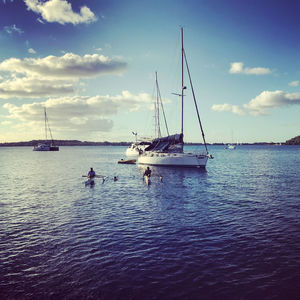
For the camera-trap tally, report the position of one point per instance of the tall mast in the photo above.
(182, 83)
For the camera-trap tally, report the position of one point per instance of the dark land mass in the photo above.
(293, 141)
(64, 143)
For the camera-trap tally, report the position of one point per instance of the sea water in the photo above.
(231, 231)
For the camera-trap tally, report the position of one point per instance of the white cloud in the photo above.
(80, 114)
(52, 75)
(235, 109)
(31, 51)
(294, 83)
(60, 11)
(262, 104)
(67, 66)
(238, 68)
(267, 100)
(34, 87)
(13, 28)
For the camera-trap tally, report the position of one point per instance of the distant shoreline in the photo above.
(64, 143)
(106, 143)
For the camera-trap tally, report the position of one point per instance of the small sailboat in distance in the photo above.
(230, 146)
(47, 145)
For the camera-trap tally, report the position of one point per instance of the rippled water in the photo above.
(230, 232)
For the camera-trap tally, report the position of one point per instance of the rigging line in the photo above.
(157, 107)
(162, 107)
(182, 79)
(188, 70)
(50, 134)
(148, 122)
(47, 121)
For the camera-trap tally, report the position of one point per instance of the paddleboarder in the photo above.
(91, 173)
(147, 172)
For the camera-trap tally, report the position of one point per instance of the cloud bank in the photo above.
(238, 68)
(34, 87)
(67, 66)
(53, 75)
(80, 113)
(262, 104)
(60, 11)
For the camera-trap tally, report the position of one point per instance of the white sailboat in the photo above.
(137, 147)
(168, 151)
(230, 146)
(47, 145)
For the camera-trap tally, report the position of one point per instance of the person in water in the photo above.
(147, 172)
(91, 173)
(115, 178)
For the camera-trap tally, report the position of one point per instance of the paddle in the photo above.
(155, 175)
(97, 176)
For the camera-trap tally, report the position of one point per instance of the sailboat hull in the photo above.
(45, 147)
(135, 149)
(173, 159)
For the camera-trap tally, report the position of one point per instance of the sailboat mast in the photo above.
(45, 123)
(182, 82)
(157, 107)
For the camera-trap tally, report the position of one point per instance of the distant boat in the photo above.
(47, 145)
(230, 146)
(168, 151)
(127, 161)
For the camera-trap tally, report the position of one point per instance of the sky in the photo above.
(92, 65)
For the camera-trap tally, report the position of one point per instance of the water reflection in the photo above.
(174, 174)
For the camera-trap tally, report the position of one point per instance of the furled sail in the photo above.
(164, 143)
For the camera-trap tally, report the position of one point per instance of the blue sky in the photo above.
(92, 65)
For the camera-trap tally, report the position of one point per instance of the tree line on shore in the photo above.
(293, 141)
